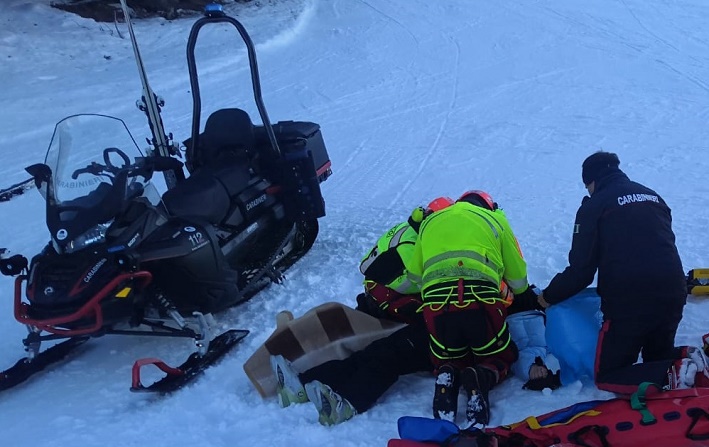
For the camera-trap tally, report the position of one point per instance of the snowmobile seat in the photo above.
(220, 168)
(208, 193)
(228, 137)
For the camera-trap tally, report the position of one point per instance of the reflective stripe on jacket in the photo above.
(387, 262)
(469, 242)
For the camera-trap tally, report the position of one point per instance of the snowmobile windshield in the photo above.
(86, 154)
(94, 172)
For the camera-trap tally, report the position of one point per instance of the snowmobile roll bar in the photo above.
(214, 14)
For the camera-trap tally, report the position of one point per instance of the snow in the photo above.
(416, 99)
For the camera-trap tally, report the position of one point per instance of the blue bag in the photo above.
(572, 334)
(422, 429)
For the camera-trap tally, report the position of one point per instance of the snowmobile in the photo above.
(125, 260)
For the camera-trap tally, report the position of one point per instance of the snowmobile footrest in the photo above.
(177, 377)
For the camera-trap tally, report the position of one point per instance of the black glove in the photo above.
(552, 381)
(526, 300)
(367, 304)
(14, 265)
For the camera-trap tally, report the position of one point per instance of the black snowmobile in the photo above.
(124, 260)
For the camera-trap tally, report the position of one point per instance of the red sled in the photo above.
(651, 417)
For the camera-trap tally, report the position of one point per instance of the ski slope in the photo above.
(416, 99)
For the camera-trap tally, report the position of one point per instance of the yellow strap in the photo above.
(534, 424)
(437, 305)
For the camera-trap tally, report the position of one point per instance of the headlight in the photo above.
(92, 236)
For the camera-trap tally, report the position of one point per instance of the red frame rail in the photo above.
(90, 308)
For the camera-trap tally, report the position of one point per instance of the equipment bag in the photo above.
(426, 432)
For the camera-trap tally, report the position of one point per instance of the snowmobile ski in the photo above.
(151, 104)
(25, 368)
(15, 190)
(178, 377)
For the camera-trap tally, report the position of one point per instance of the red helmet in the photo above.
(482, 197)
(440, 203)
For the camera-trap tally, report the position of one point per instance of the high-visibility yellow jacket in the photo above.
(388, 261)
(469, 242)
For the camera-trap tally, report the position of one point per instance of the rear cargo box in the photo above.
(303, 164)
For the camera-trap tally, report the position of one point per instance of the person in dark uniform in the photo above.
(623, 230)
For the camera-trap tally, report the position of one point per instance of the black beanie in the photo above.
(599, 165)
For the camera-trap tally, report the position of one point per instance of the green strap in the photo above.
(637, 402)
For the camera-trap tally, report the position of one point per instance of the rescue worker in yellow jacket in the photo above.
(460, 258)
(389, 292)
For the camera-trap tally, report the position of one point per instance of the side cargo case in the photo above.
(304, 164)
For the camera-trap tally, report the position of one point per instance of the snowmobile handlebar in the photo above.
(143, 166)
(94, 169)
(218, 16)
(108, 167)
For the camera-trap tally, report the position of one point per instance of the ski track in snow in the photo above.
(424, 161)
(416, 99)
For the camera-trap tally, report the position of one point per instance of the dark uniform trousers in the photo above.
(366, 375)
(621, 340)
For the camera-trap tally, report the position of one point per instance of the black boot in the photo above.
(445, 398)
(477, 382)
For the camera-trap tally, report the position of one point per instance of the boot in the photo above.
(699, 357)
(477, 382)
(289, 388)
(332, 408)
(681, 374)
(445, 397)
